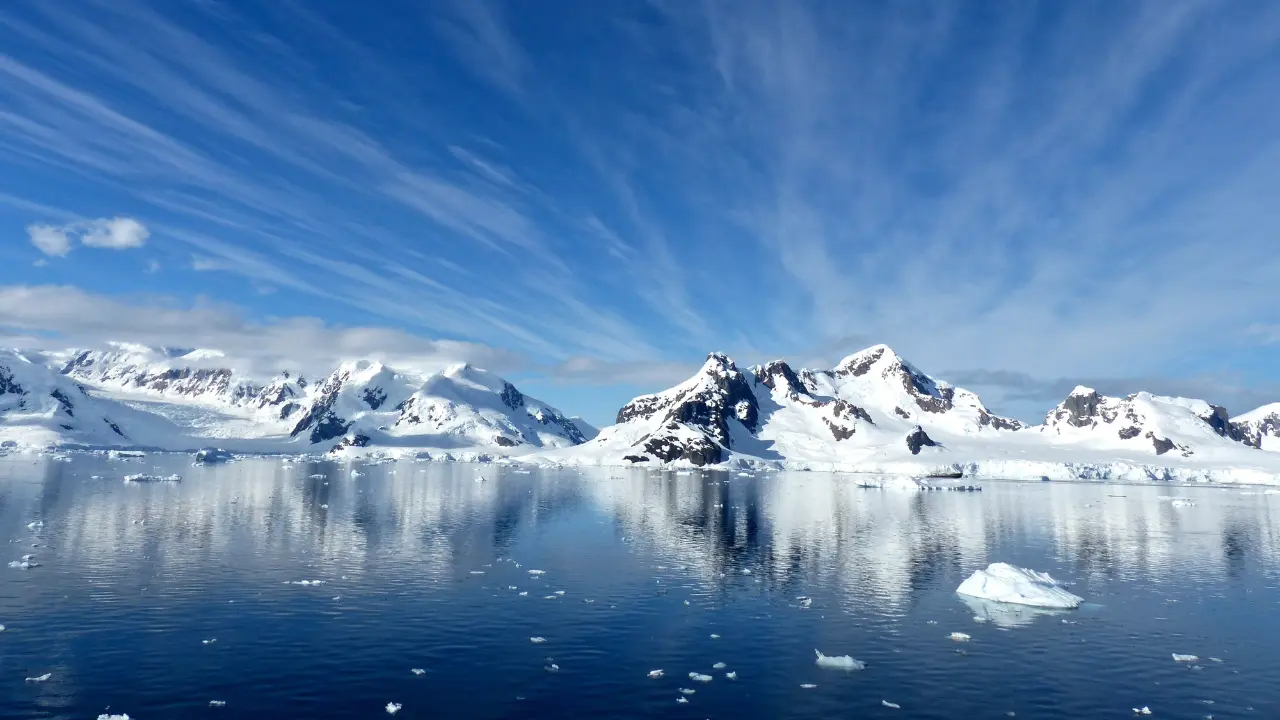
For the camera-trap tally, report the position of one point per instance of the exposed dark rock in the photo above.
(839, 432)
(64, 401)
(986, 419)
(863, 365)
(772, 373)
(374, 397)
(505, 441)
(902, 413)
(1081, 408)
(288, 409)
(1130, 432)
(946, 474)
(353, 440)
(321, 418)
(114, 428)
(635, 458)
(917, 439)
(697, 450)
(1161, 445)
(8, 385)
(511, 397)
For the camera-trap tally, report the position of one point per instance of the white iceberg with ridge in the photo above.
(1004, 583)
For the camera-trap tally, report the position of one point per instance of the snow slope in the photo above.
(875, 412)
(1261, 427)
(188, 399)
(39, 407)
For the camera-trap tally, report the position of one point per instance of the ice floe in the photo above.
(40, 678)
(1184, 658)
(655, 674)
(393, 708)
(959, 637)
(1001, 582)
(217, 703)
(888, 704)
(731, 675)
(417, 671)
(718, 666)
(537, 640)
(838, 662)
(143, 479)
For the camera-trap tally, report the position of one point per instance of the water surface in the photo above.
(423, 565)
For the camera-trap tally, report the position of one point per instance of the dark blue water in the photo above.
(133, 578)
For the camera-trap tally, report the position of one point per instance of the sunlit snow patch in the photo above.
(1005, 583)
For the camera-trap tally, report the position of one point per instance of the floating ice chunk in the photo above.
(511, 587)
(688, 691)
(1002, 582)
(523, 593)
(1, 628)
(305, 582)
(537, 572)
(210, 456)
(655, 674)
(808, 686)
(746, 571)
(417, 671)
(838, 662)
(715, 636)
(317, 476)
(106, 716)
(731, 675)
(1184, 658)
(477, 572)
(806, 602)
(718, 666)
(393, 708)
(552, 668)
(550, 597)
(40, 678)
(888, 704)
(682, 699)
(210, 641)
(537, 640)
(699, 677)
(35, 525)
(24, 564)
(559, 592)
(1144, 710)
(217, 703)
(959, 637)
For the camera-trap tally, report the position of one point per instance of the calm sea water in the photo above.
(422, 566)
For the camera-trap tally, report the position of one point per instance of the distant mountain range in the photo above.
(873, 411)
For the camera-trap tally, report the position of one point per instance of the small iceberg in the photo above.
(537, 640)
(718, 666)
(25, 563)
(888, 704)
(1144, 710)
(699, 677)
(217, 703)
(655, 674)
(688, 691)
(840, 662)
(959, 637)
(1004, 583)
(682, 699)
(40, 678)
(1184, 658)
(418, 671)
(731, 675)
(143, 479)
(212, 455)
(393, 708)
(537, 572)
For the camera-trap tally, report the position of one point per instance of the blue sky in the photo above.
(590, 196)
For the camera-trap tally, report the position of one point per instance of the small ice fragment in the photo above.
(699, 677)
(1184, 658)
(550, 597)
(417, 671)
(393, 708)
(731, 675)
(537, 640)
(317, 476)
(210, 641)
(718, 666)
(838, 662)
(688, 691)
(559, 592)
(682, 699)
(324, 506)
(888, 704)
(806, 602)
(655, 674)
(40, 678)
(1144, 710)
(537, 572)
(523, 593)
(511, 587)
(217, 703)
(959, 637)
(686, 602)
(105, 716)
(35, 525)
(932, 622)
(24, 564)
(746, 571)
(808, 686)
(1217, 660)
(477, 572)
(715, 636)
(306, 582)
(1, 628)
(552, 668)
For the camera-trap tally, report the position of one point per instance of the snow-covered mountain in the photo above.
(872, 404)
(184, 399)
(38, 406)
(875, 411)
(1261, 427)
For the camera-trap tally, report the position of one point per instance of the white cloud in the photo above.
(118, 233)
(49, 317)
(52, 241)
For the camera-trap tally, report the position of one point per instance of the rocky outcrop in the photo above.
(917, 439)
